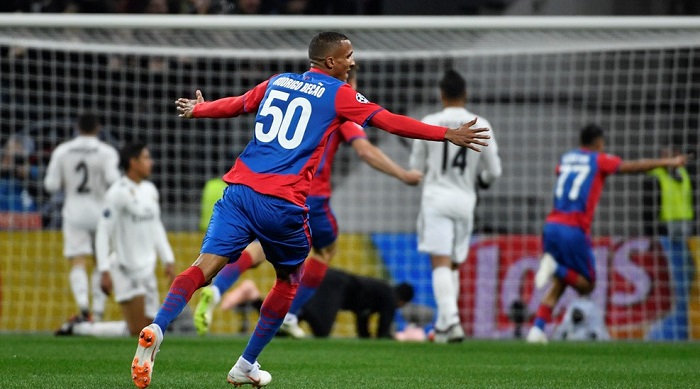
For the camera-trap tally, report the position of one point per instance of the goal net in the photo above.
(538, 81)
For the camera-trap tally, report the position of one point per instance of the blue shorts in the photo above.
(324, 228)
(243, 215)
(570, 247)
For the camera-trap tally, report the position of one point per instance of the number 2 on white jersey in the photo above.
(82, 167)
(281, 121)
(581, 172)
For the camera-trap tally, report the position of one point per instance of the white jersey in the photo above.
(450, 172)
(83, 168)
(130, 226)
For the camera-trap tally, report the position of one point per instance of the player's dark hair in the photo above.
(131, 150)
(590, 133)
(453, 86)
(88, 123)
(324, 44)
(404, 292)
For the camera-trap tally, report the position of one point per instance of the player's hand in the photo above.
(170, 271)
(680, 160)
(412, 177)
(465, 136)
(186, 106)
(106, 283)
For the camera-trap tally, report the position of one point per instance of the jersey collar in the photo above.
(317, 70)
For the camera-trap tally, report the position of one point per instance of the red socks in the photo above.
(314, 272)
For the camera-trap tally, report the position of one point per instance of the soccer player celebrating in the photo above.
(568, 256)
(129, 236)
(83, 168)
(451, 176)
(322, 223)
(269, 183)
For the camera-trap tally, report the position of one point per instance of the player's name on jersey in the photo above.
(576, 159)
(83, 150)
(301, 86)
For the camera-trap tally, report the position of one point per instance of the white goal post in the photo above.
(537, 80)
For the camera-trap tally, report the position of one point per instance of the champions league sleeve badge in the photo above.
(361, 99)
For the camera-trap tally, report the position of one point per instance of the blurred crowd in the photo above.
(211, 7)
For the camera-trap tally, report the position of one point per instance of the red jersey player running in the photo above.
(568, 256)
(268, 186)
(322, 222)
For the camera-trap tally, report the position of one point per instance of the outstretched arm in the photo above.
(376, 158)
(221, 108)
(464, 136)
(354, 107)
(643, 165)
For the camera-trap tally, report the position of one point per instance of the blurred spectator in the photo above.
(248, 7)
(157, 7)
(211, 193)
(337, 7)
(16, 174)
(86, 6)
(674, 210)
(675, 201)
(211, 7)
(58, 6)
(294, 7)
(148, 6)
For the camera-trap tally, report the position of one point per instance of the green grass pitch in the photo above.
(42, 361)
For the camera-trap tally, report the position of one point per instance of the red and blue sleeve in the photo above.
(232, 106)
(608, 164)
(352, 106)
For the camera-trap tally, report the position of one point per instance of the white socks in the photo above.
(291, 318)
(216, 295)
(79, 285)
(101, 329)
(244, 365)
(99, 299)
(445, 297)
(455, 283)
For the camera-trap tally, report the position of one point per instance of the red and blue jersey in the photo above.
(581, 175)
(347, 132)
(296, 116)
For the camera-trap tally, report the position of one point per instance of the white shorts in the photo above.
(77, 241)
(443, 235)
(126, 286)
